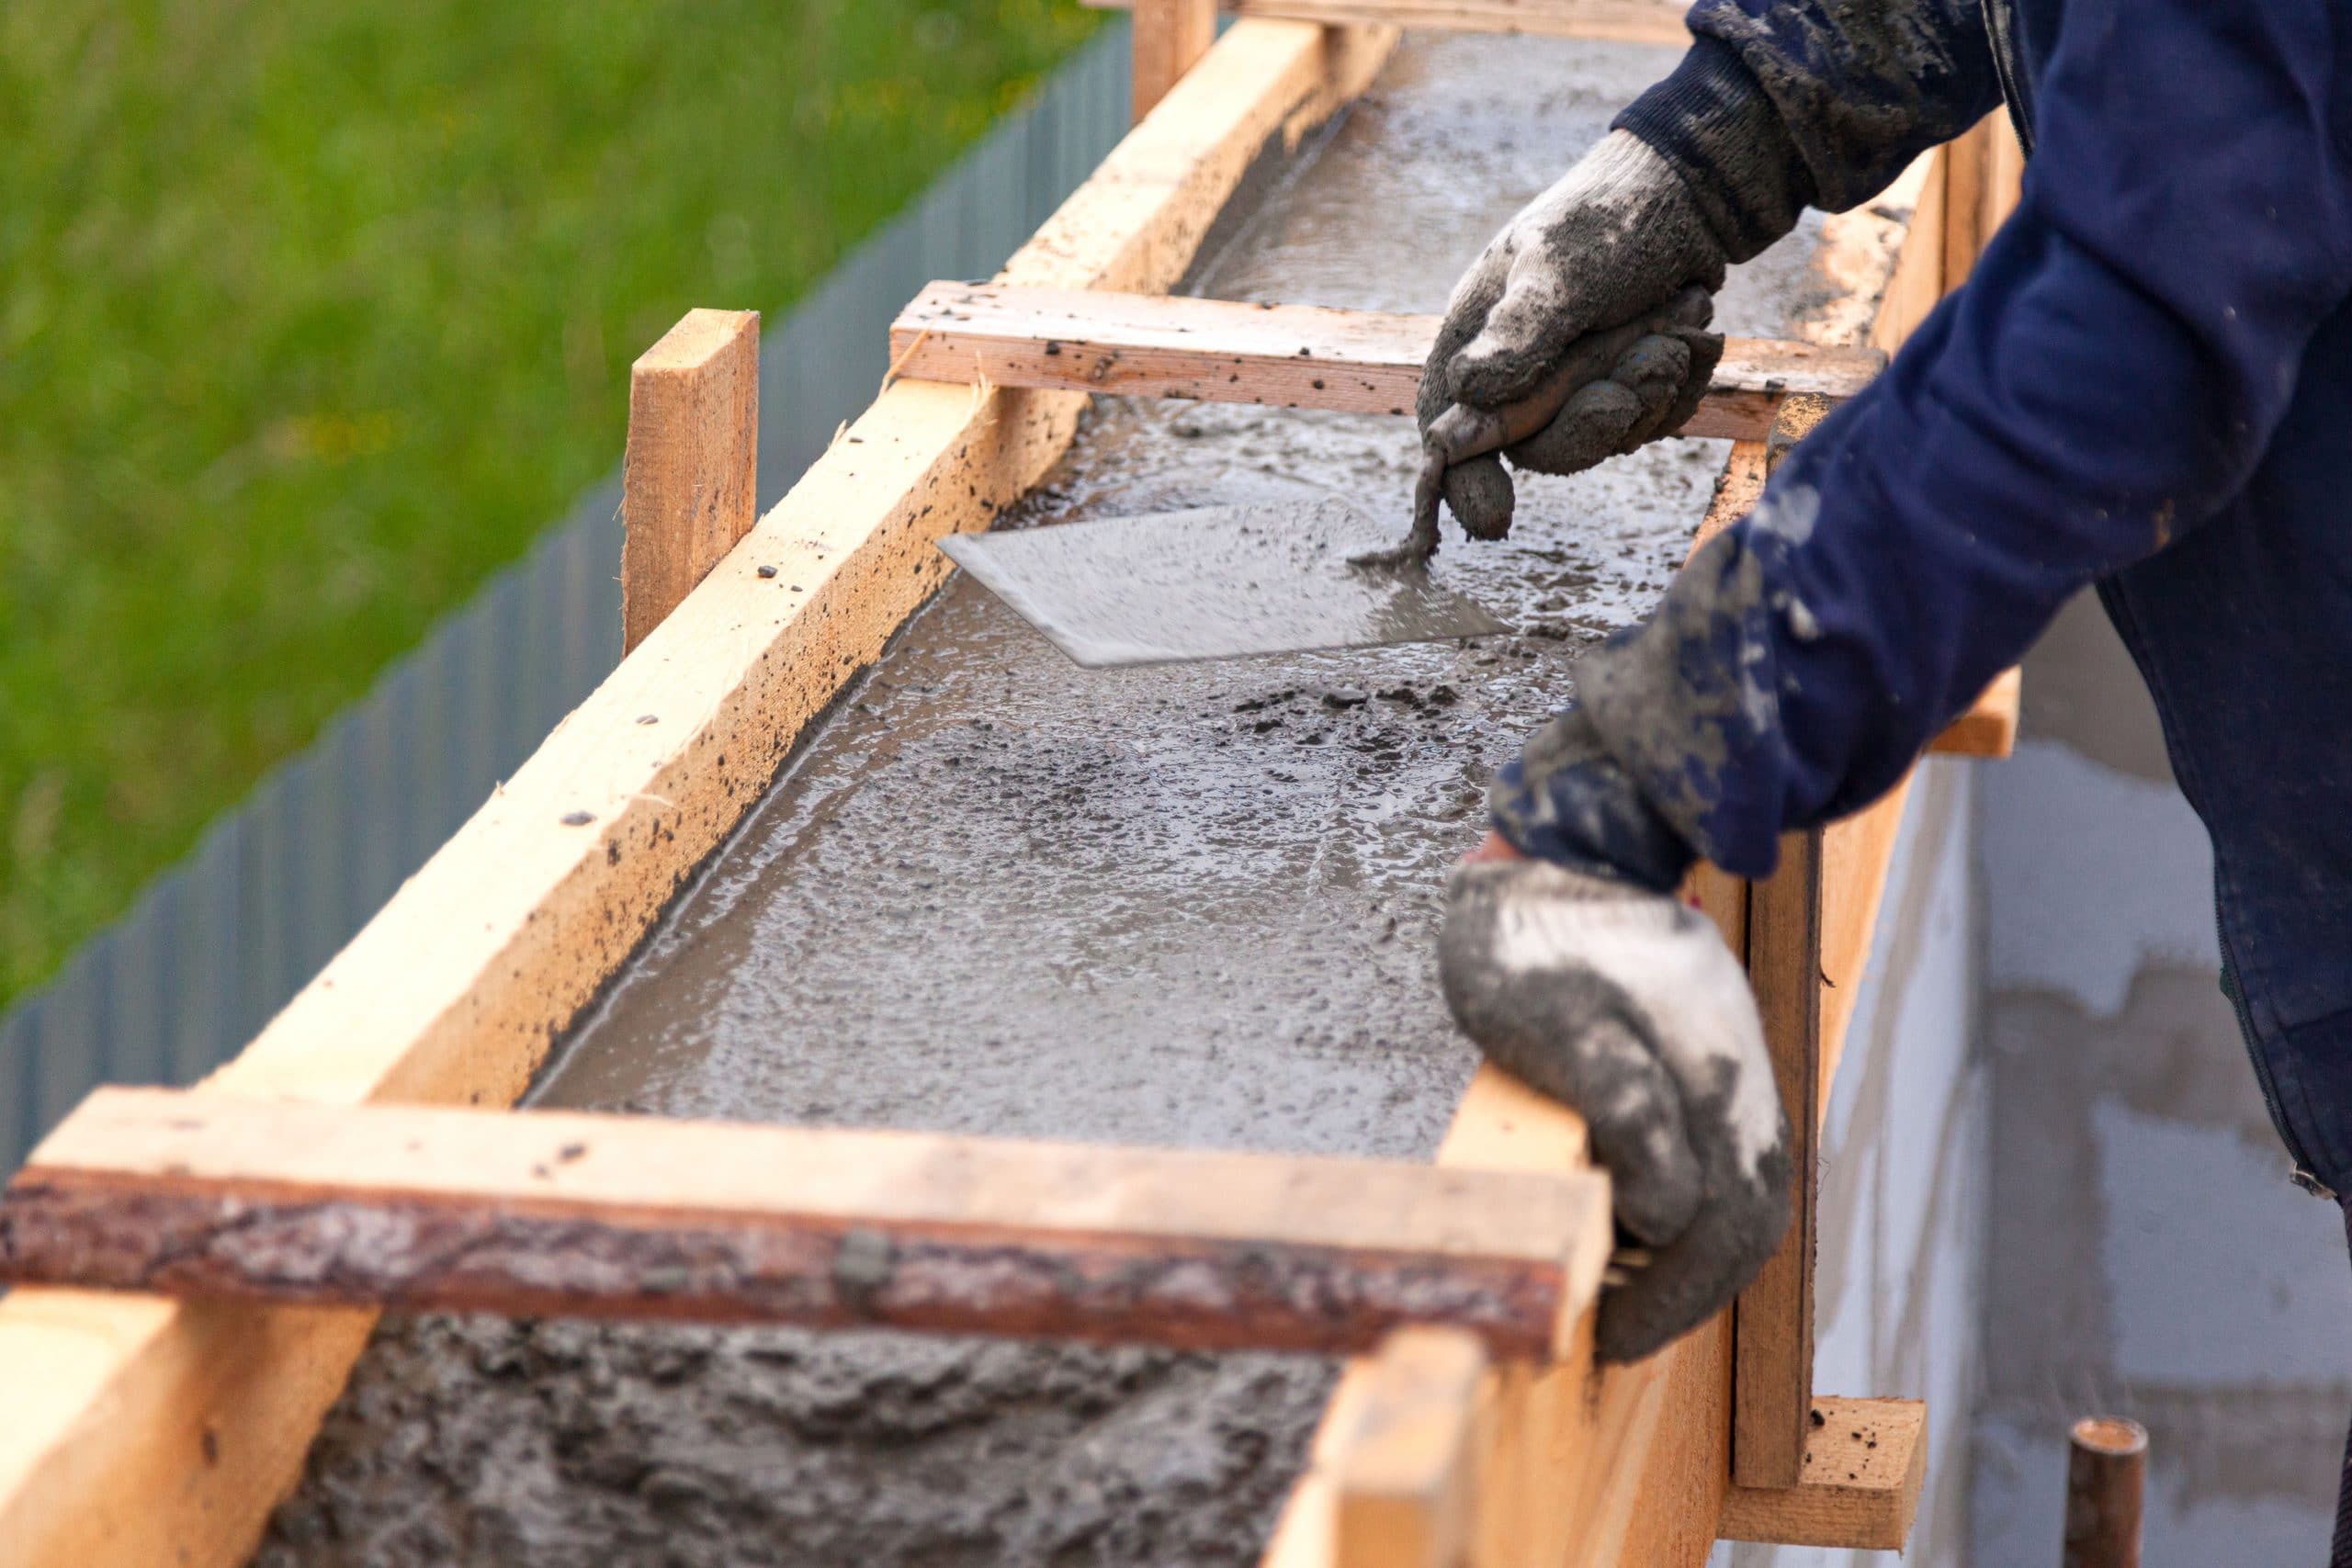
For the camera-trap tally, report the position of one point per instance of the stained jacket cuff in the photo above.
(1589, 817)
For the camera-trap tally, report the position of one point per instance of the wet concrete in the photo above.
(1190, 904)
(1215, 582)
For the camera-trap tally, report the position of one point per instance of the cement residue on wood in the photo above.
(1187, 905)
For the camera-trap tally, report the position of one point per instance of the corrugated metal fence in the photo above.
(220, 943)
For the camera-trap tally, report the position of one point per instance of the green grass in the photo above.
(311, 315)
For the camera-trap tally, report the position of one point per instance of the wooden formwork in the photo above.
(151, 1429)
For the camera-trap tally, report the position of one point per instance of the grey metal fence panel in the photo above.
(221, 941)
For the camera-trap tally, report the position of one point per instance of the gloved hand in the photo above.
(1624, 1004)
(1618, 247)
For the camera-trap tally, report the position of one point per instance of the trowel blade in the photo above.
(1221, 583)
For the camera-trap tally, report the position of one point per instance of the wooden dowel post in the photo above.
(690, 484)
(2107, 1471)
(1170, 36)
(1772, 1325)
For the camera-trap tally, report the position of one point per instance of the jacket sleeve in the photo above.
(2109, 377)
(1782, 105)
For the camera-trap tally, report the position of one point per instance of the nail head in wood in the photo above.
(690, 484)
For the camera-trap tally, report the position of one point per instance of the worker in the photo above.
(2145, 385)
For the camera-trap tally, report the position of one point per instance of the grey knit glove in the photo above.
(1625, 1005)
(1615, 266)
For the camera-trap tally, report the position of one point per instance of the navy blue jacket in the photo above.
(2146, 383)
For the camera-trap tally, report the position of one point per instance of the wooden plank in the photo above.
(1169, 38)
(690, 481)
(1989, 726)
(454, 991)
(1855, 853)
(1623, 21)
(1774, 1320)
(549, 1214)
(1406, 1476)
(1865, 1462)
(1277, 356)
(1965, 203)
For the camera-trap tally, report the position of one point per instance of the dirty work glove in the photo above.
(1624, 1004)
(1609, 246)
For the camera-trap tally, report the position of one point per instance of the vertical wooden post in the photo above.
(2106, 1470)
(1964, 161)
(1773, 1323)
(1407, 1477)
(689, 488)
(1170, 36)
(1983, 170)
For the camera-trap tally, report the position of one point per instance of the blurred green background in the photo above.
(310, 316)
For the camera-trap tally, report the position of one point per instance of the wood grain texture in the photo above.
(690, 480)
(1773, 1319)
(1406, 1476)
(1623, 21)
(1169, 38)
(1965, 203)
(547, 1214)
(1279, 356)
(1865, 1463)
(454, 991)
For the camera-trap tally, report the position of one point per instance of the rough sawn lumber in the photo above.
(1865, 1462)
(202, 1412)
(544, 1214)
(1304, 356)
(1772, 1322)
(690, 480)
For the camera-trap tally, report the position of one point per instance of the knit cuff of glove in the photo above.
(1586, 816)
(1714, 124)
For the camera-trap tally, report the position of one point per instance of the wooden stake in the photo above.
(1169, 37)
(690, 485)
(1772, 1325)
(2107, 1471)
(548, 1214)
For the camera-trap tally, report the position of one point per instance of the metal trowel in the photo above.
(1221, 583)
